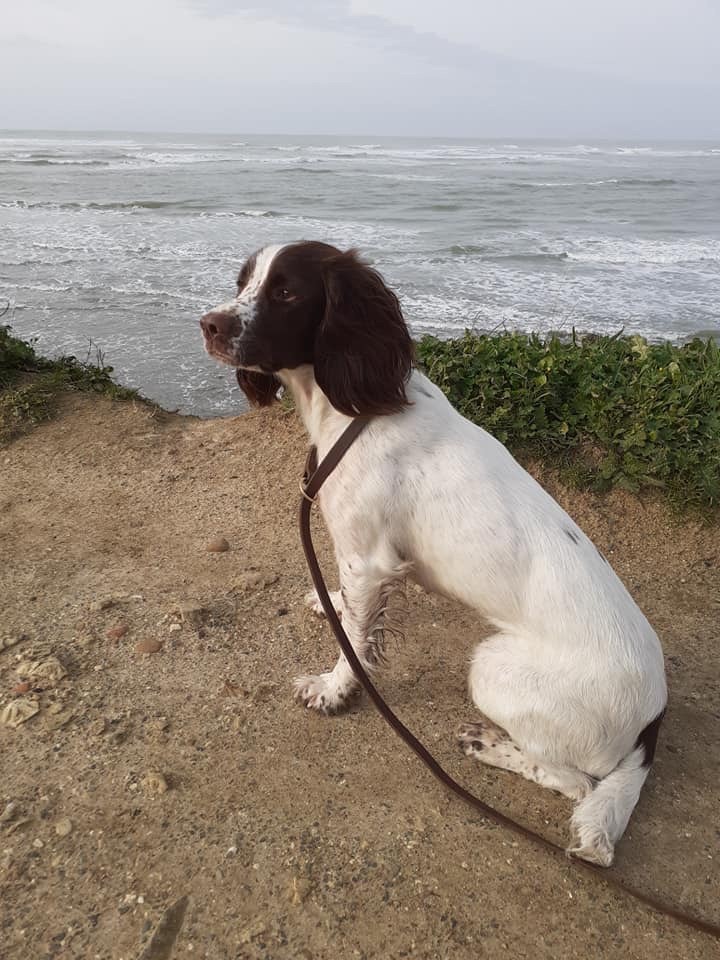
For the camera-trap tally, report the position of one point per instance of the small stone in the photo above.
(159, 724)
(63, 827)
(38, 844)
(252, 930)
(18, 711)
(113, 600)
(117, 632)
(97, 727)
(103, 604)
(48, 672)
(20, 688)
(220, 545)
(175, 628)
(18, 824)
(163, 939)
(192, 612)
(254, 580)
(299, 890)
(154, 783)
(9, 812)
(148, 646)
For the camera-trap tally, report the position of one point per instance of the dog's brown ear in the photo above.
(363, 350)
(260, 388)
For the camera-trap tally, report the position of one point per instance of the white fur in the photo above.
(244, 306)
(573, 671)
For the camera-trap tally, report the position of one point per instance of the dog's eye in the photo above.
(282, 293)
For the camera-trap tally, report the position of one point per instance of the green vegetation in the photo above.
(30, 385)
(609, 411)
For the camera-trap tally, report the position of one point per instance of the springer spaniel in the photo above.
(571, 684)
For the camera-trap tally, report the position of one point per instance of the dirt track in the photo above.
(147, 777)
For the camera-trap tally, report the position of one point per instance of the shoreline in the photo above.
(607, 411)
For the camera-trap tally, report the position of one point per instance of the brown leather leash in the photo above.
(314, 477)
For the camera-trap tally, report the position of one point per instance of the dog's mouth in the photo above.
(221, 353)
(222, 348)
(232, 353)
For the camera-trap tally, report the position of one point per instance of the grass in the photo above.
(608, 411)
(31, 385)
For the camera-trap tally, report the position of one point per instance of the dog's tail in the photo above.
(601, 818)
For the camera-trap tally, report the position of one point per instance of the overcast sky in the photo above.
(487, 68)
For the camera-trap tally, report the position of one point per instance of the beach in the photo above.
(167, 758)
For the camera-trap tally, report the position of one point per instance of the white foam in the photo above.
(610, 250)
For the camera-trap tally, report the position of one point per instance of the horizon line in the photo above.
(380, 136)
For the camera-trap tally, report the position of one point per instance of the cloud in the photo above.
(337, 17)
(323, 66)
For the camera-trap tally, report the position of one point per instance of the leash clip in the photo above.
(303, 490)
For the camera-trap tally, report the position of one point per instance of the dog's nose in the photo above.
(217, 323)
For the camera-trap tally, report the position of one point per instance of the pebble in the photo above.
(9, 812)
(49, 671)
(18, 824)
(154, 783)
(97, 727)
(254, 580)
(117, 632)
(252, 930)
(23, 687)
(104, 603)
(63, 827)
(148, 646)
(220, 545)
(163, 939)
(18, 711)
(113, 600)
(192, 612)
(299, 890)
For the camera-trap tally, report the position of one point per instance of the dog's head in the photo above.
(308, 303)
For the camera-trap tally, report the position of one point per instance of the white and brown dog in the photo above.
(571, 684)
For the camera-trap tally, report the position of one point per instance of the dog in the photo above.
(571, 684)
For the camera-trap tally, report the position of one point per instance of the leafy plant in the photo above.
(613, 411)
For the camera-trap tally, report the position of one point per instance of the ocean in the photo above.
(120, 241)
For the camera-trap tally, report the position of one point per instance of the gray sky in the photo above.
(575, 68)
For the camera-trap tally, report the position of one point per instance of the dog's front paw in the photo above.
(322, 693)
(312, 600)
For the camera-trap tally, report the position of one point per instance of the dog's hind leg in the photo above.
(531, 729)
(491, 745)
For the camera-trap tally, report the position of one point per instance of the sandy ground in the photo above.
(190, 772)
